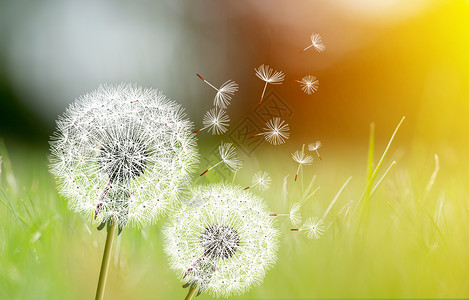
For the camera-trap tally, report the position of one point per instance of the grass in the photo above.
(413, 244)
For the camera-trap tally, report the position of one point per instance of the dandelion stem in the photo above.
(263, 92)
(306, 48)
(106, 259)
(192, 291)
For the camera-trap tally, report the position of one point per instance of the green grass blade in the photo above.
(371, 150)
(381, 179)
(336, 197)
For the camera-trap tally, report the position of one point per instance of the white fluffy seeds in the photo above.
(123, 152)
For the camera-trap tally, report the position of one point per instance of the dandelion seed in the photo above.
(313, 228)
(123, 152)
(216, 121)
(268, 75)
(301, 159)
(261, 180)
(277, 131)
(225, 244)
(228, 156)
(314, 147)
(316, 42)
(224, 93)
(294, 214)
(309, 84)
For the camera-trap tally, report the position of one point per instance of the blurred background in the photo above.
(383, 60)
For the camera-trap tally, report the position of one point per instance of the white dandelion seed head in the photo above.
(277, 131)
(229, 156)
(295, 214)
(314, 146)
(223, 96)
(302, 158)
(314, 228)
(226, 244)
(123, 151)
(216, 121)
(316, 39)
(269, 75)
(261, 180)
(309, 84)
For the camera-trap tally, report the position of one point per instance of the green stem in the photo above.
(192, 291)
(106, 260)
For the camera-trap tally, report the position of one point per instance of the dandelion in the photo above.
(302, 159)
(294, 214)
(216, 121)
(314, 147)
(224, 93)
(269, 76)
(225, 244)
(121, 155)
(309, 84)
(228, 156)
(277, 131)
(313, 228)
(261, 180)
(316, 42)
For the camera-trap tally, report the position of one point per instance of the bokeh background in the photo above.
(384, 59)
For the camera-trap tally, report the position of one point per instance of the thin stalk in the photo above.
(381, 179)
(262, 97)
(192, 291)
(366, 193)
(336, 197)
(106, 259)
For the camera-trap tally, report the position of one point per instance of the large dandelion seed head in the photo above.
(123, 152)
(226, 242)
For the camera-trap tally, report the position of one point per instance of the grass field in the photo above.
(409, 240)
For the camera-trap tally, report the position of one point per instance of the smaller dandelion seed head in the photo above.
(269, 75)
(277, 131)
(219, 241)
(309, 84)
(229, 156)
(261, 180)
(314, 146)
(223, 96)
(227, 243)
(216, 121)
(302, 158)
(314, 228)
(316, 39)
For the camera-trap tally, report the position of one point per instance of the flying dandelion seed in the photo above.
(309, 84)
(276, 133)
(261, 180)
(224, 93)
(216, 121)
(294, 214)
(268, 75)
(314, 147)
(228, 156)
(316, 42)
(301, 159)
(225, 244)
(313, 228)
(123, 152)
